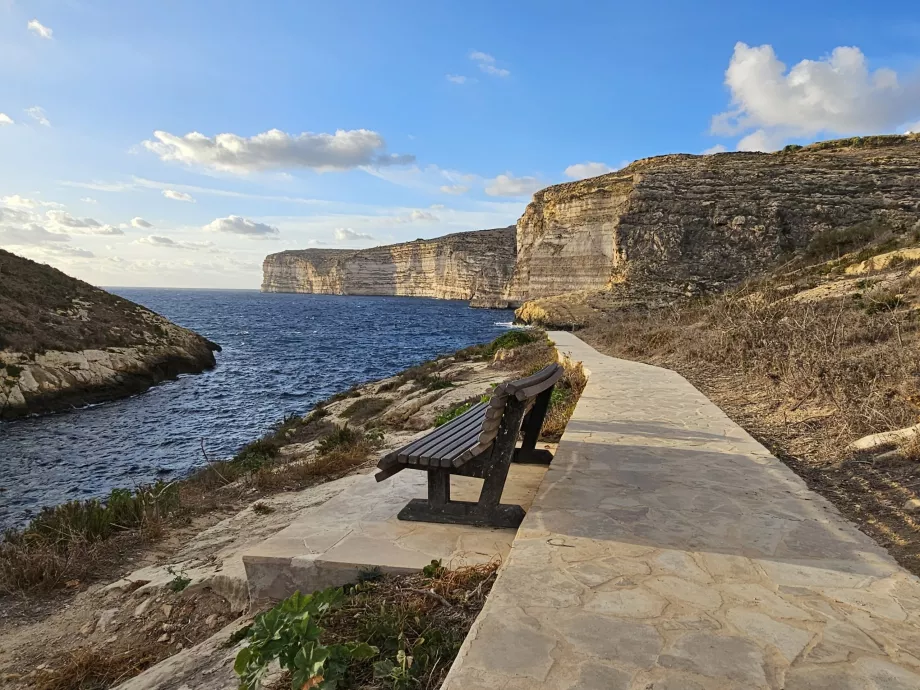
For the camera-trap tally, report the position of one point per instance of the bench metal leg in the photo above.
(527, 453)
(438, 487)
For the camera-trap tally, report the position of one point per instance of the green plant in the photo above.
(340, 437)
(452, 413)
(179, 581)
(433, 569)
(256, 454)
(371, 574)
(290, 633)
(364, 408)
(792, 148)
(399, 675)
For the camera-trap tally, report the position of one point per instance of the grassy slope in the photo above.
(42, 308)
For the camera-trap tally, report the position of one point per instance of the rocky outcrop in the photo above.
(472, 266)
(704, 222)
(64, 343)
(666, 225)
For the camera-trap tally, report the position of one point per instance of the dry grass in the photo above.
(93, 669)
(425, 615)
(805, 378)
(563, 401)
(366, 408)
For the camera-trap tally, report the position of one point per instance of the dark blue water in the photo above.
(281, 354)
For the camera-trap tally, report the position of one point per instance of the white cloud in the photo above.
(487, 64)
(169, 243)
(457, 78)
(237, 225)
(84, 226)
(178, 196)
(140, 223)
(89, 200)
(580, 171)
(837, 95)
(157, 241)
(718, 148)
(913, 129)
(276, 150)
(5, 120)
(454, 188)
(508, 185)
(417, 216)
(39, 29)
(37, 113)
(16, 201)
(349, 235)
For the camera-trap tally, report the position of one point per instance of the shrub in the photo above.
(364, 408)
(341, 437)
(453, 412)
(563, 400)
(838, 241)
(290, 633)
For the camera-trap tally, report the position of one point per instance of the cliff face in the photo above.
(708, 221)
(472, 266)
(671, 224)
(65, 343)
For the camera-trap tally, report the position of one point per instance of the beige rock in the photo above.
(885, 438)
(912, 506)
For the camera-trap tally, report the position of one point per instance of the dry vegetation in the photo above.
(42, 308)
(809, 360)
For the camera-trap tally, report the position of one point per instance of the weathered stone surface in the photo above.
(703, 222)
(471, 266)
(669, 547)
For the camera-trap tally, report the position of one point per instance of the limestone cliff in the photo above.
(65, 343)
(472, 266)
(702, 222)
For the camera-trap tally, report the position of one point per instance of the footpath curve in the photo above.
(667, 549)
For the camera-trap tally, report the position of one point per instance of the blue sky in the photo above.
(176, 143)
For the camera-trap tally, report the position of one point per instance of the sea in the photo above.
(282, 353)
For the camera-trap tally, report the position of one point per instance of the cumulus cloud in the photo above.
(349, 235)
(39, 29)
(838, 95)
(457, 78)
(580, 171)
(276, 150)
(417, 216)
(5, 120)
(23, 226)
(169, 243)
(508, 185)
(140, 223)
(84, 226)
(913, 129)
(486, 63)
(37, 113)
(16, 201)
(454, 188)
(237, 225)
(178, 196)
(718, 148)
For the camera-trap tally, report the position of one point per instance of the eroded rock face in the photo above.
(470, 266)
(66, 343)
(708, 221)
(680, 223)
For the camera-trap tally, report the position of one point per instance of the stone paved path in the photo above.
(668, 550)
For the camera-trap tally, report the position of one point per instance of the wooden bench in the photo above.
(479, 443)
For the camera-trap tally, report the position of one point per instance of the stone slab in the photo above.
(330, 544)
(667, 549)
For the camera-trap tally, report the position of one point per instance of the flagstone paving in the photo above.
(667, 550)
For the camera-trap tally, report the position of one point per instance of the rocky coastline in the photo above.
(65, 343)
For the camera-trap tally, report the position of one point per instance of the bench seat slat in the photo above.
(457, 448)
(440, 431)
(423, 455)
(521, 384)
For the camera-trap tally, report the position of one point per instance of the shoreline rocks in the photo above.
(65, 343)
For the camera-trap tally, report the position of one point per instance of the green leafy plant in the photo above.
(399, 675)
(180, 580)
(433, 569)
(290, 633)
(452, 413)
(340, 437)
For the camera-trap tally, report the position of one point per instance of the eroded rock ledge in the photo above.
(472, 266)
(64, 343)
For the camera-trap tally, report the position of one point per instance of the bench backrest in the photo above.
(525, 390)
